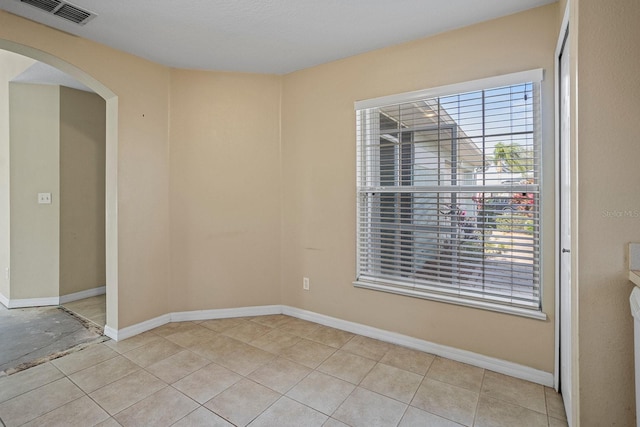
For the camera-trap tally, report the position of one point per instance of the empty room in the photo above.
(358, 213)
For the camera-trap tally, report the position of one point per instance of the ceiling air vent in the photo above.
(63, 10)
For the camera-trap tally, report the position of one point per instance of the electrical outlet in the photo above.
(44, 198)
(305, 283)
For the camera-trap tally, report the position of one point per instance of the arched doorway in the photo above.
(111, 179)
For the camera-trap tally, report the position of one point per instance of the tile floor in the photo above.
(93, 309)
(267, 371)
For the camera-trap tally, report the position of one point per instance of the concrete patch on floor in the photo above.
(31, 336)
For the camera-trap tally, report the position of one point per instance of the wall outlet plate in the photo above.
(44, 198)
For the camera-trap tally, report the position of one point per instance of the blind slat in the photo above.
(449, 194)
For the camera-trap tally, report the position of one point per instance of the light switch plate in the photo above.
(44, 198)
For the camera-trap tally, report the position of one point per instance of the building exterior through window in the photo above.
(449, 194)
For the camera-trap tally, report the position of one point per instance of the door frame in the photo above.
(111, 169)
(562, 37)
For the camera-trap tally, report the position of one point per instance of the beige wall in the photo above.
(35, 168)
(318, 185)
(11, 65)
(137, 93)
(82, 195)
(319, 182)
(225, 190)
(57, 145)
(608, 215)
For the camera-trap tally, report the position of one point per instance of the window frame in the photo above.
(365, 161)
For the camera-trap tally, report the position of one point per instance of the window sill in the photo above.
(450, 299)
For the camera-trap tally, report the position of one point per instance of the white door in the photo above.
(565, 225)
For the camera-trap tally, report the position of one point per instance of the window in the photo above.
(448, 184)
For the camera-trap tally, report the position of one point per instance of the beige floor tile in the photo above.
(79, 360)
(246, 359)
(174, 328)
(272, 320)
(99, 320)
(192, 337)
(242, 402)
(162, 408)
(94, 314)
(456, 373)
(497, 413)
(514, 390)
(123, 393)
(104, 373)
(153, 352)
(367, 347)
(332, 422)
(80, 412)
(308, 353)
(247, 331)
(280, 374)
(299, 327)
(132, 343)
(555, 405)
(410, 360)
(217, 348)
(207, 382)
(364, 408)
(27, 380)
(88, 307)
(276, 341)
(554, 422)
(288, 413)
(202, 417)
(109, 422)
(415, 417)
(31, 405)
(221, 325)
(330, 336)
(392, 382)
(347, 366)
(177, 366)
(451, 402)
(321, 392)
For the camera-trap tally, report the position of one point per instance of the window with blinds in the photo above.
(448, 184)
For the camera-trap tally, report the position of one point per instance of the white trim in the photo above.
(224, 313)
(454, 299)
(475, 359)
(184, 316)
(536, 75)
(471, 358)
(49, 301)
(32, 302)
(138, 328)
(4, 300)
(88, 293)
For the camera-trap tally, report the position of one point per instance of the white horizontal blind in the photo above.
(449, 195)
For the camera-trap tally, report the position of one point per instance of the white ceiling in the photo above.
(266, 36)
(40, 73)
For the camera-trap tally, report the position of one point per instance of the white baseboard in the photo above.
(94, 292)
(4, 300)
(464, 356)
(138, 328)
(184, 316)
(471, 358)
(31, 302)
(40, 302)
(225, 313)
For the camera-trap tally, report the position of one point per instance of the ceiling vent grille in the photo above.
(63, 10)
